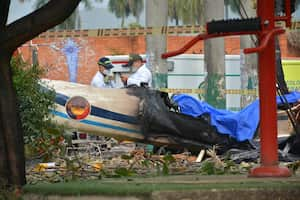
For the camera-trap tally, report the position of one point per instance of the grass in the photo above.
(127, 187)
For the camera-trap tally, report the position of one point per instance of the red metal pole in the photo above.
(205, 37)
(288, 13)
(267, 98)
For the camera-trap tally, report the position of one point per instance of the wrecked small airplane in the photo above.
(145, 115)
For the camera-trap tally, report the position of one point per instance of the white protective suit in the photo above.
(142, 75)
(99, 81)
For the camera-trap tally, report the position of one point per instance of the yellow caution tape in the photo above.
(163, 30)
(201, 91)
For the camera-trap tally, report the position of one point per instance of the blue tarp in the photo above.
(239, 125)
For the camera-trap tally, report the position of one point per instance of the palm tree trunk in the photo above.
(215, 59)
(248, 62)
(157, 16)
(122, 22)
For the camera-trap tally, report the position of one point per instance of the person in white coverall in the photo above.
(141, 77)
(102, 78)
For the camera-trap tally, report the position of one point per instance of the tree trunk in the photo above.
(12, 161)
(249, 78)
(214, 59)
(12, 167)
(122, 22)
(157, 16)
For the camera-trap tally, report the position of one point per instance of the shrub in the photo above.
(34, 104)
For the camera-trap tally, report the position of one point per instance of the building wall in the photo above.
(52, 57)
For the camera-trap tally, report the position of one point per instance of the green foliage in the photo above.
(134, 25)
(294, 166)
(126, 157)
(5, 194)
(41, 136)
(214, 87)
(33, 103)
(126, 171)
(122, 171)
(146, 163)
(187, 12)
(211, 167)
(167, 160)
(11, 193)
(208, 168)
(123, 8)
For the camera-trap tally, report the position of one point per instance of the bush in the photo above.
(34, 104)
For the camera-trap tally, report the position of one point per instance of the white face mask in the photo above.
(134, 69)
(106, 72)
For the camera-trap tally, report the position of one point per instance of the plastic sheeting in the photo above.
(157, 120)
(239, 125)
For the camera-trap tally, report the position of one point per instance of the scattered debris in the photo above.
(200, 156)
(95, 159)
(45, 167)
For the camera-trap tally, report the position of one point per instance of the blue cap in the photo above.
(105, 62)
